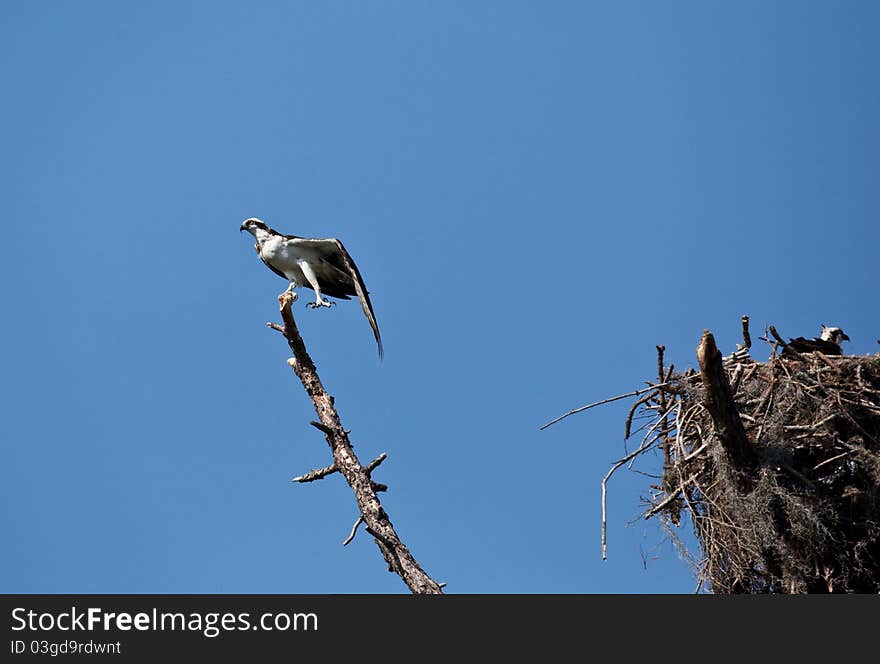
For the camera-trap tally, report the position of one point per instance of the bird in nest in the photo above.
(828, 343)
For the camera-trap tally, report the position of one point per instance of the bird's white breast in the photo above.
(275, 251)
(281, 252)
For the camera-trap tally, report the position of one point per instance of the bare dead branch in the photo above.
(317, 474)
(322, 428)
(376, 520)
(375, 462)
(354, 528)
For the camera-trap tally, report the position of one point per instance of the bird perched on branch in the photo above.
(828, 343)
(320, 264)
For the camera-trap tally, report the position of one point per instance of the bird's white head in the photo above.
(833, 334)
(253, 225)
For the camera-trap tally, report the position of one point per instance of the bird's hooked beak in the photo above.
(843, 336)
(241, 229)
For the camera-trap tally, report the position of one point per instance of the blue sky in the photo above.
(536, 195)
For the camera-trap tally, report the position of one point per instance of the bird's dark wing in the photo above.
(802, 345)
(336, 286)
(341, 264)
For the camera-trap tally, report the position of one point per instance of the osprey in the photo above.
(320, 264)
(828, 343)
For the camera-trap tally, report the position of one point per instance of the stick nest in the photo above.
(810, 520)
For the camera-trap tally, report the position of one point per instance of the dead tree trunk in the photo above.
(725, 416)
(345, 461)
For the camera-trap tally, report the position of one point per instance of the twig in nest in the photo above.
(797, 474)
(634, 393)
(776, 336)
(834, 458)
(604, 510)
(632, 411)
(665, 444)
(662, 423)
(747, 338)
(632, 455)
(672, 496)
(810, 427)
(696, 452)
(822, 356)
